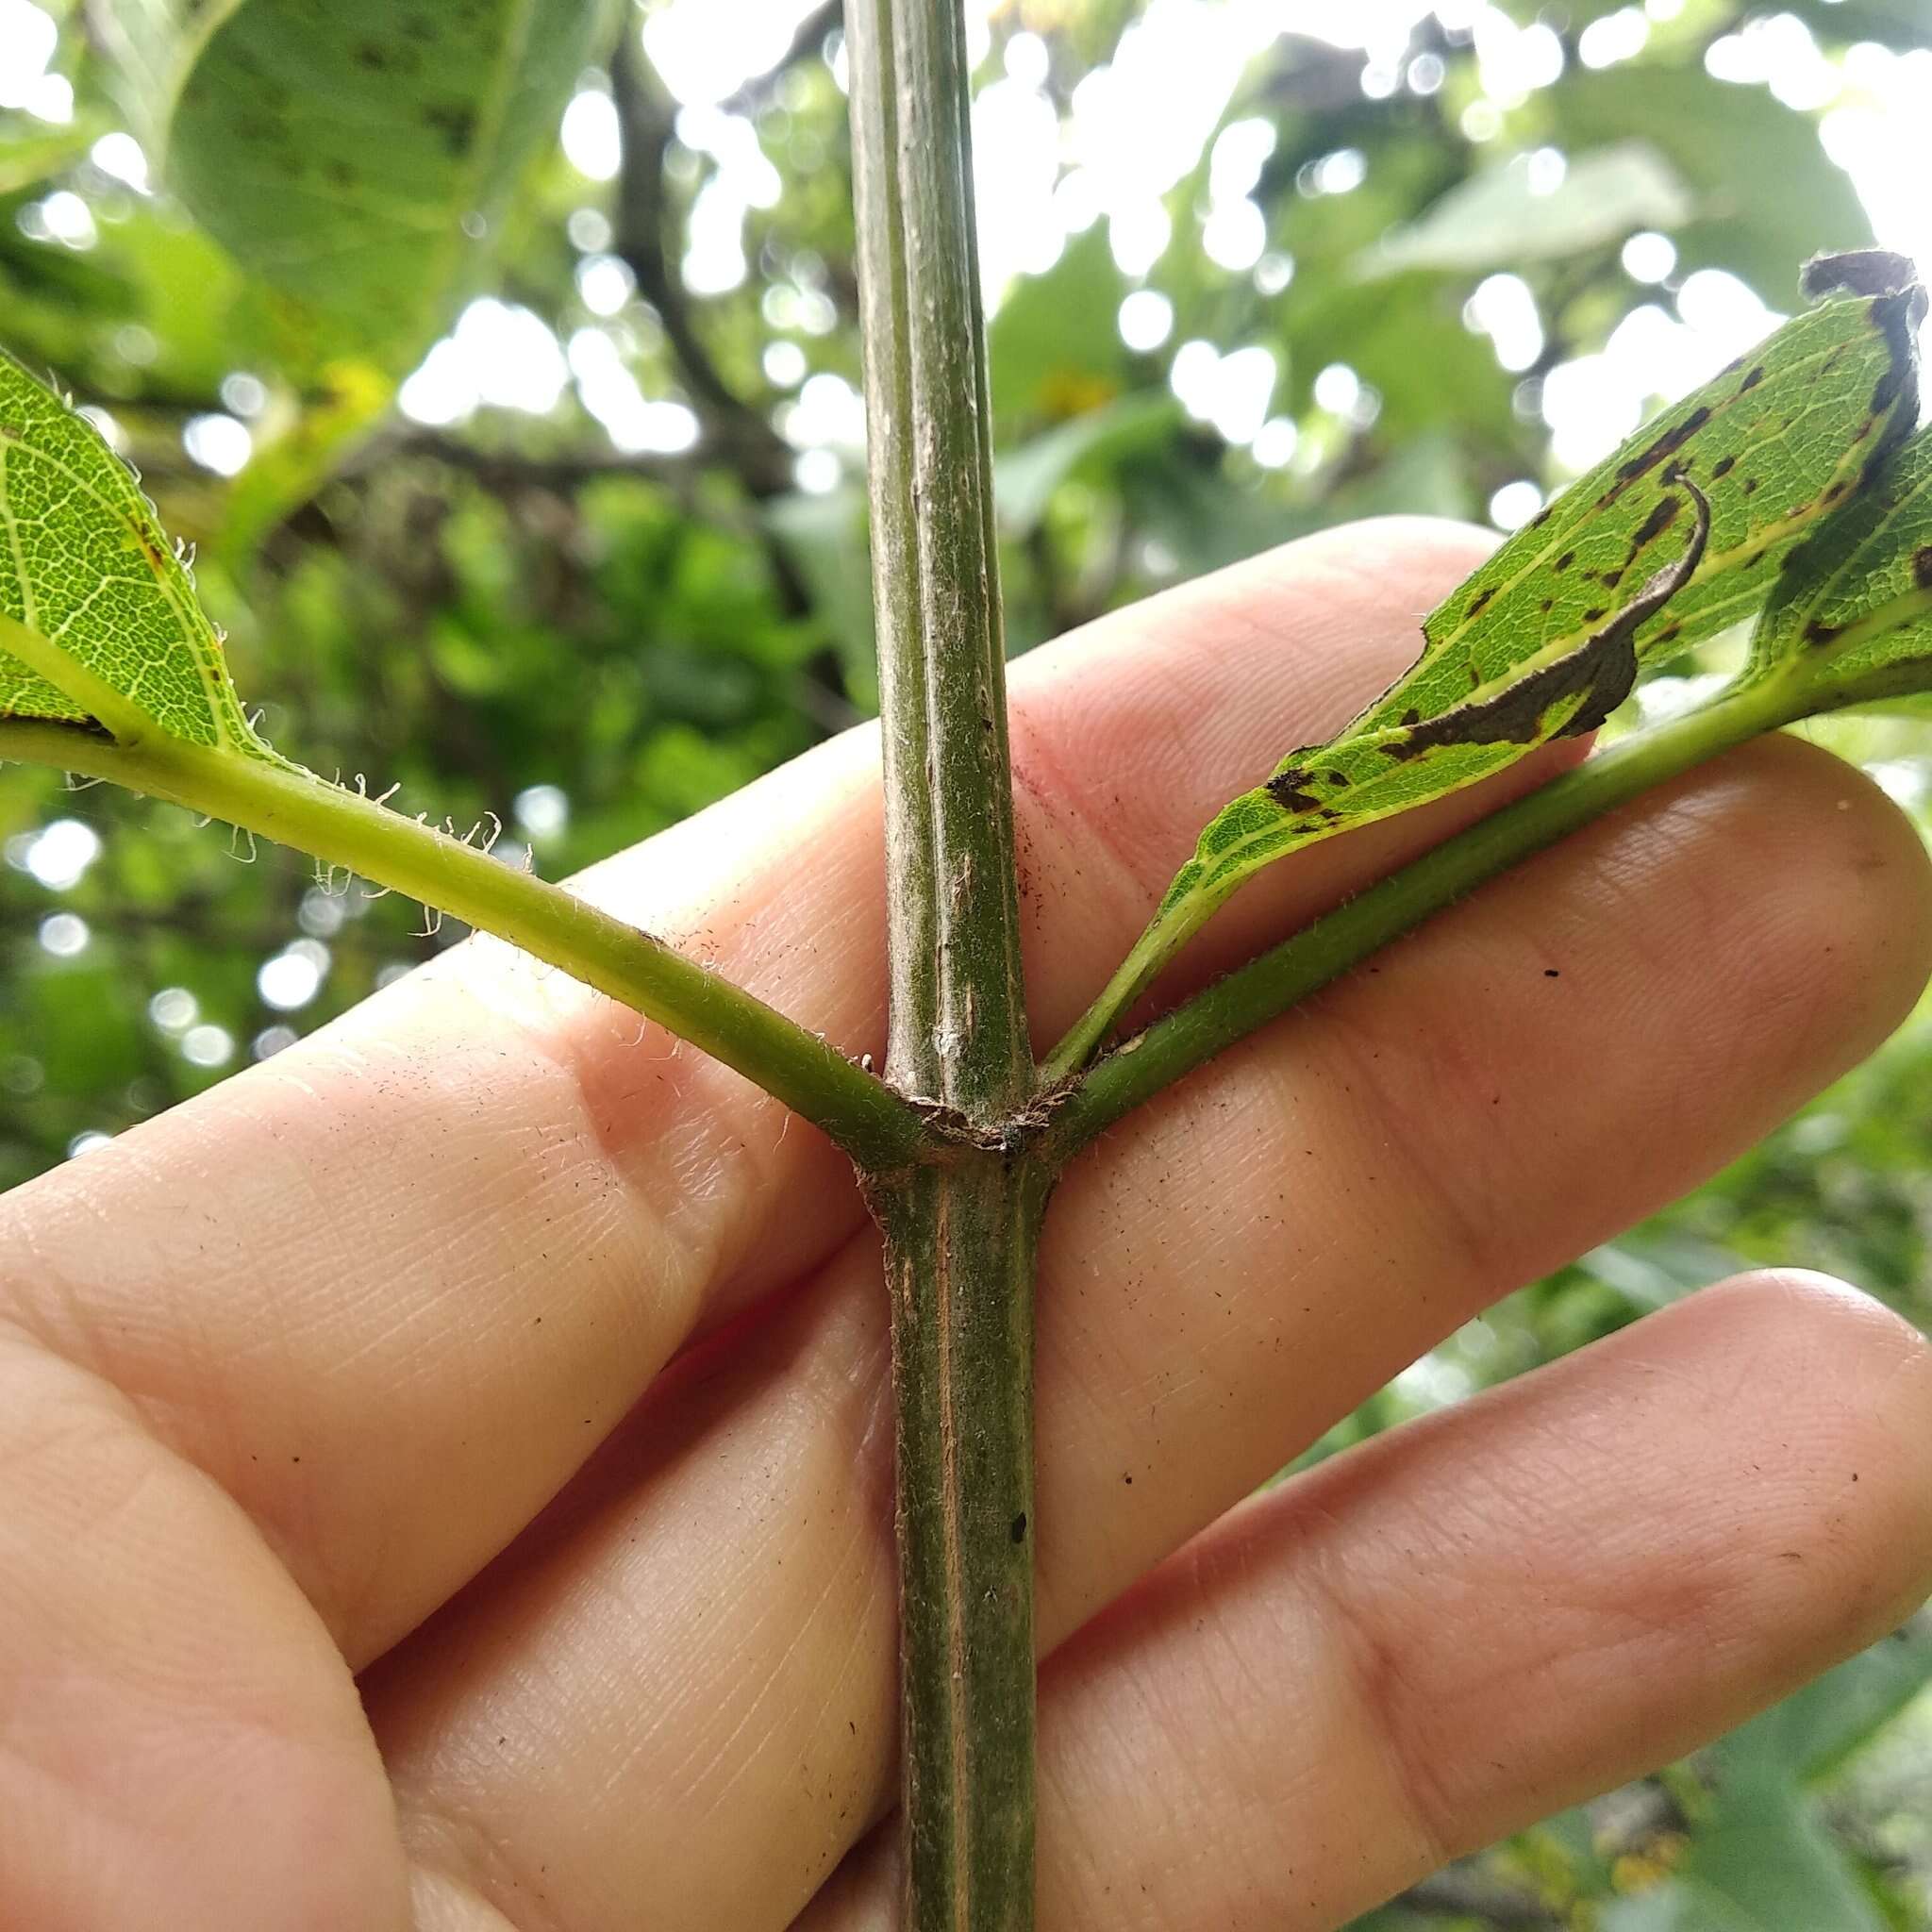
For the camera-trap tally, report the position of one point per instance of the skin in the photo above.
(445, 1470)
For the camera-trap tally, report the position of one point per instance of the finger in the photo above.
(389, 1287)
(1220, 1281)
(1478, 1620)
(184, 1750)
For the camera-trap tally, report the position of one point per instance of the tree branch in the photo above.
(646, 119)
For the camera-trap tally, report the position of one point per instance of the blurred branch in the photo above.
(806, 42)
(648, 117)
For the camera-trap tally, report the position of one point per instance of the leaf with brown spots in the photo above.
(1675, 536)
(1849, 621)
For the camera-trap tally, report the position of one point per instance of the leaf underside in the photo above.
(1674, 537)
(352, 155)
(85, 564)
(1852, 609)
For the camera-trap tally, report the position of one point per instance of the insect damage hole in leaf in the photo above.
(1549, 634)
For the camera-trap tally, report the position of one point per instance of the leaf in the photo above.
(1546, 637)
(825, 537)
(1814, 1730)
(1497, 218)
(1403, 333)
(352, 155)
(99, 623)
(1850, 616)
(1764, 1852)
(1025, 478)
(1767, 193)
(1053, 347)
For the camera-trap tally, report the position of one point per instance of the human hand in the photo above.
(445, 1470)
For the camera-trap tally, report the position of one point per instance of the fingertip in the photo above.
(1854, 1435)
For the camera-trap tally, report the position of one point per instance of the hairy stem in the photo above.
(292, 807)
(960, 1234)
(1233, 1007)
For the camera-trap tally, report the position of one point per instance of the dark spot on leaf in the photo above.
(1594, 612)
(1020, 1528)
(1921, 566)
(1338, 778)
(1286, 788)
(1412, 716)
(455, 124)
(1752, 380)
(1478, 600)
(1660, 451)
(369, 54)
(1819, 632)
(1897, 317)
(1599, 672)
(1751, 484)
(1611, 578)
(1723, 466)
(1663, 514)
(1563, 562)
(1548, 604)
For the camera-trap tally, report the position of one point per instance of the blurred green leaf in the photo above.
(1500, 218)
(1025, 478)
(1767, 194)
(1043, 371)
(355, 154)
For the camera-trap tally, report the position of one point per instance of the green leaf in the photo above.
(1025, 478)
(1850, 616)
(1765, 1853)
(1549, 635)
(353, 155)
(99, 623)
(1039, 368)
(1767, 193)
(1497, 218)
(1814, 1730)
(1546, 637)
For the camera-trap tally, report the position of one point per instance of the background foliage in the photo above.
(562, 521)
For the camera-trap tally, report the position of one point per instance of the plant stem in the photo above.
(961, 1244)
(960, 1234)
(293, 807)
(1268, 985)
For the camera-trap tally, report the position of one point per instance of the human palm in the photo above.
(444, 1473)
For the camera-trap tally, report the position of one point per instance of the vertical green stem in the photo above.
(961, 1243)
(960, 1227)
